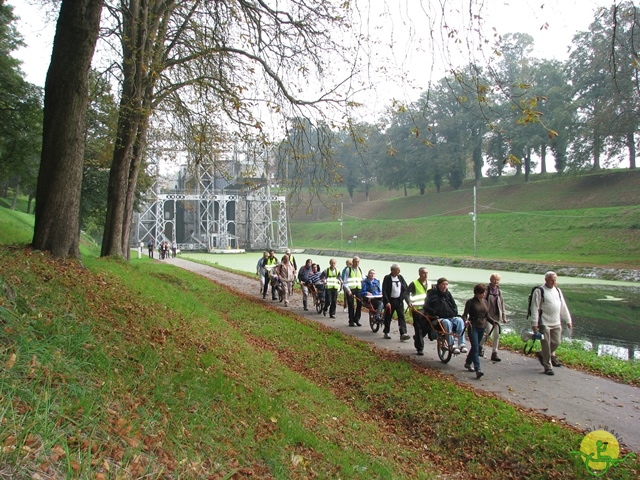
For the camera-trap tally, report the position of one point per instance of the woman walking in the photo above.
(476, 315)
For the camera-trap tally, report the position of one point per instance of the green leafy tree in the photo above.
(604, 67)
(57, 225)
(20, 116)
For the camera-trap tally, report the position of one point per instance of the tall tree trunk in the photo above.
(145, 25)
(133, 43)
(631, 146)
(57, 224)
(543, 159)
(597, 147)
(527, 164)
(138, 151)
(16, 193)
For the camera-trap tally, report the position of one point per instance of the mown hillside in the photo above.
(591, 219)
(543, 193)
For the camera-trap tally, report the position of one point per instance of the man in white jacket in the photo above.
(551, 308)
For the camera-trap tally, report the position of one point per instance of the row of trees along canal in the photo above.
(188, 70)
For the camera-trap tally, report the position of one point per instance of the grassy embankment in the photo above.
(123, 370)
(582, 220)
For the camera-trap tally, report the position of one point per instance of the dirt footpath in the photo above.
(583, 400)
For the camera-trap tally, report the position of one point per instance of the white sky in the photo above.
(414, 52)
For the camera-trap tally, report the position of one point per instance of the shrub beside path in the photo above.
(580, 399)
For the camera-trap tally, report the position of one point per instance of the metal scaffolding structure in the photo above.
(213, 214)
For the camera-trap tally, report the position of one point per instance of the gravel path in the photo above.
(583, 400)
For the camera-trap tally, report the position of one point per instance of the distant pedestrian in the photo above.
(261, 270)
(551, 309)
(303, 277)
(476, 315)
(174, 249)
(150, 247)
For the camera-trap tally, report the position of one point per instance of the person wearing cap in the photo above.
(549, 302)
(417, 295)
(394, 293)
(292, 259)
(440, 303)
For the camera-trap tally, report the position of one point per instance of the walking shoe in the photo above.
(468, 367)
(479, 373)
(332, 316)
(358, 324)
(495, 357)
(405, 336)
(481, 352)
(455, 350)
(420, 352)
(306, 309)
(555, 362)
(386, 336)
(286, 303)
(539, 355)
(351, 324)
(549, 372)
(264, 297)
(463, 348)
(324, 312)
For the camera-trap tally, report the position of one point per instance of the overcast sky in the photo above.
(405, 29)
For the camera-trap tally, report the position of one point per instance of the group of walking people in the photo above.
(433, 308)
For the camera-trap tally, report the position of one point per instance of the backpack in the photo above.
(537, 287)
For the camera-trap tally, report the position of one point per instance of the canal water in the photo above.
(607, 336)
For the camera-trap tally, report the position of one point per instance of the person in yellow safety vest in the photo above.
(417, 295)
(270, 262)
(352, 284)
(333, 283)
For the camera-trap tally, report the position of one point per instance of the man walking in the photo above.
(417, 296)
(548, 301)
(352, 282)
(332, 278)
(394, 291)
(270, 262)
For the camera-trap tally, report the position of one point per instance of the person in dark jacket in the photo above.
(476, 315)
(394, 293)
(440, 303)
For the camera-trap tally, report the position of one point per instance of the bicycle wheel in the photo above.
(374, 322)
(318, 303)
(444, 352)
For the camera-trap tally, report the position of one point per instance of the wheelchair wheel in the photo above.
(374, 322)
(444, 352)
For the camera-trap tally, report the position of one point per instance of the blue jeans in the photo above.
(475, 336)
(458, 329)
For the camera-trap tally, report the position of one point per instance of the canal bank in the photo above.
(622, 275)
